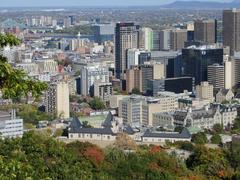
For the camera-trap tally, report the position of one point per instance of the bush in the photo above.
(199, 138)
(216, 139)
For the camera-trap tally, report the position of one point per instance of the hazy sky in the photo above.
(31, 3)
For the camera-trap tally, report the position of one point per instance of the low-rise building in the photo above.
(162, 137)
(199, 118)
(224, 95)
(10, 125)
(103, 90)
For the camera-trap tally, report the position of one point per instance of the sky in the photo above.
(41, 3)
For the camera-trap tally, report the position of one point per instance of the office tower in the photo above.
(197, 59)
(205, 31)
(176, 85)
(11, 126)
(126, 37)
(156, 41)
(130, 110)
(133, 79)
(216, 76)
(103, 32)
(164, 38)
(92, 73)
(151, 71)
(133, 57)
(103, 90)
(144, 57)
(57, 99)
(146, 38)
(231, 29)
(172, 61)
(177, 39)
(205, 91)
(155, 105)
(228, 75)
(236, 70)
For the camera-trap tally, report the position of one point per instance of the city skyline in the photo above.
(46, 3)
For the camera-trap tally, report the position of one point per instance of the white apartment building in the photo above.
(93, 73)
(10, 125)
(47, 66)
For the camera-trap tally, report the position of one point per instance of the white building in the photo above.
(10, 125)
(199, 118)
(92, 73)
(205, 91)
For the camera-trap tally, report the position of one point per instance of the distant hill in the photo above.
(202, 5)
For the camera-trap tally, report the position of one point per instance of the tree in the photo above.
(97, 104)
(124, 142)
(199, 138)
(86, 124)
(236, 125)
(218, 128)
(14, 83)
(136, 91)
(216, 139)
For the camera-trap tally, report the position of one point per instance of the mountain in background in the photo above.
(202, 5)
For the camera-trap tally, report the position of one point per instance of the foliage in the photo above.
(38, 156)
(136, 91)
(218, 128)
(236, 125)
(31, 114)
(86, 124)
(211, 162)
(216, 139)
(125, 142)
(14, 83)
(97, 104)
(199, 138)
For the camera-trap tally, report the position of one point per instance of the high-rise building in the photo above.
(130, 110)
(133, 79)
(228, 74)
(205, 91)
(146, 38)
(216, 76)
(57, 99)
(205, 31)
(177, 39)
(151, 71)
(176, 85)
(103, 32)
(126, 37)
(156, 41)
(133, 57)
(103, 90)
(236, 70)
(164, 39)
(197, 59)
(231, 29)
(92, 73)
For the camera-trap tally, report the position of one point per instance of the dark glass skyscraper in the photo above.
(126, 37)
(197, 59)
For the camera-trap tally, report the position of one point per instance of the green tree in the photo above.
(97, 104)
(136, 91)
(216, 139)
(218, 128)
(15, 83)
(199, 138)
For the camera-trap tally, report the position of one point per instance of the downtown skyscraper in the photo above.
(126, 37)
(231, 29)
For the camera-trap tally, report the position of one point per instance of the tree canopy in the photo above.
(14, 83)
